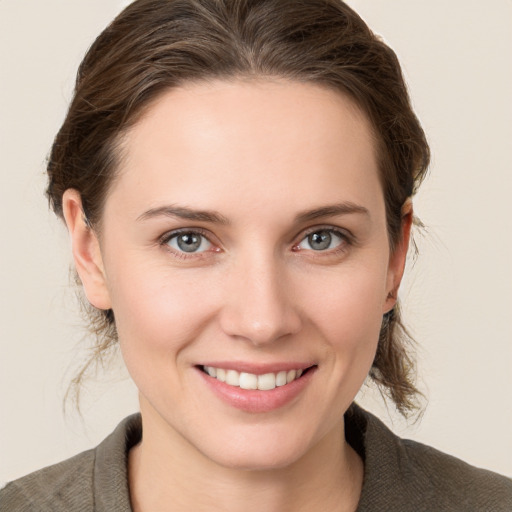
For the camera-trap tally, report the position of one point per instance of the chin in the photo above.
(259, 448)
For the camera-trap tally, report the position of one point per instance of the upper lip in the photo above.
(258, 368)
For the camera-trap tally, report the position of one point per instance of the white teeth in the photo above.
(246, 380)
(281, 378)
(267, 381)
(232, 378)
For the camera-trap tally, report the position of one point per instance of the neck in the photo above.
(169, 474)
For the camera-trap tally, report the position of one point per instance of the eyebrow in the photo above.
(345, 208)
(182, 212)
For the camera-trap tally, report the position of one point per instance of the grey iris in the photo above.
(320, 240)
(189, 242)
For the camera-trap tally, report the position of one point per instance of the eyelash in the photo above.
(346, 238)
(167, 237)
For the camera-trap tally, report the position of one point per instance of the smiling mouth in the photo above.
(244, 380)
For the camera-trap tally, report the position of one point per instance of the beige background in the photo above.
(457, 59)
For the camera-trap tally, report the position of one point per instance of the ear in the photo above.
(86, 251)
(398, 258)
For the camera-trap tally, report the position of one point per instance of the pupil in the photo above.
(189, 242)
(320, 240)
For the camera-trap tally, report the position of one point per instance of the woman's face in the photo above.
(246, 233)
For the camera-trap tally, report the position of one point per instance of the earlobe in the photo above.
(86, 251)
(398, 257)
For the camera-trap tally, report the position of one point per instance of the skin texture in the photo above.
(259, 154)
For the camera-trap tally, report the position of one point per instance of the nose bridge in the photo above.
(259, 307)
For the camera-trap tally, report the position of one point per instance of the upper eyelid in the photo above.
(345, 233)
(175, 232)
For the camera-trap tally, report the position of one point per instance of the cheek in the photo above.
(348, 308)
(158, 317)
(157, 311)
(347, 316)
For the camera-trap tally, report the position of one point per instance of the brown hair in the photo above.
(154, 45)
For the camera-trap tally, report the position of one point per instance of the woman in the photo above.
(236, 178)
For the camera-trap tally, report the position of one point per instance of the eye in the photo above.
(188, 242)
(322, 240)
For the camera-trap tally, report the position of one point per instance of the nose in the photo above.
(259, 304)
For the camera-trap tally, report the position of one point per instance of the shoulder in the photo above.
(452, 482)
(93, 480)
(404, 475)
(53, 487)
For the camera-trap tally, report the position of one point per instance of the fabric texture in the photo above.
(399, 476)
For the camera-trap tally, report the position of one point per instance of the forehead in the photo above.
(258, 138)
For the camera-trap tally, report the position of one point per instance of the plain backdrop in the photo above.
(456, 56)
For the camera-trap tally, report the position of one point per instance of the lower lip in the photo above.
(254, 400)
